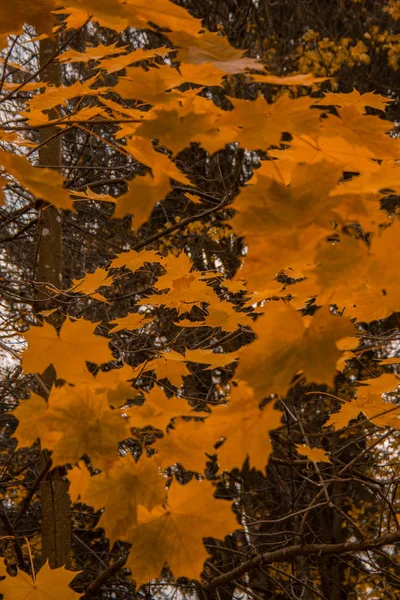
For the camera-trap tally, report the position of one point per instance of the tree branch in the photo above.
(104, 575)
(285, 554)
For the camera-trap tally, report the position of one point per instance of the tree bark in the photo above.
(56, 519)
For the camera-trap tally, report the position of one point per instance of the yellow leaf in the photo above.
(187, 443)
(314, 454)
(135, 260)
(158, 410)
(212, 48)
(252, 438)
(44, 184)
(68, 351)
(354, 98)
(130, 322)
(89, 284)
(120, 491)
(300, 79)
(287, 344)
(47, 584)
(174, 534)
(77, 421)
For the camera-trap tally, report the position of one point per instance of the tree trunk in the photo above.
(56, 520)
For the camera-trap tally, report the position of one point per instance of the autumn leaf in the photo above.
(170, 365)
(131, 322)
(44, 184)
(67, 351)
(141, 198)
(135, 260)
(186, 443)
(354, 98)
(120, 491)
(252, 438)
(36, 14)
(263, 125)
(177, 131)
(212, 48)
(362, 130)
(89, 284)
(300, 79)
(310, 150)
(117, 63)
(40, 104)
(174, 534)
(158, 410)
(30, 414)
(349, 274)
(77, 421)
(288, 343)
(47, 584)
(151, 87)
(314, 454)
(114, 383)
(91, 53)
(211, 359)
(370, 403)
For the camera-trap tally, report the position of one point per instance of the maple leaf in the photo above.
(117, 63)
(174, 130)
(314, 454)
(174, 534)
(252, 438)
(89, 284)
(210, 358)
(350, 274)
(135, 260)
(37, 14)
(137, 13)
(288, 343)
(187, 444)
(120, 491)
(184, 287)
(158, 410)
(77, 421)
(383, 176)
(371, 404)
(67, 351)
(161, 165)
(86, 425)
(47, 584)
(30, 414)
(210, 47)
(362, 130)
(170, 365)
(150, 86)
(301, 79)
(310, 150)
(130, 322)
(115, 383)
(162, 12)
(107, 13)
(292, 251)
(44, 184)
(142, 196)
(257, 124)
(269, 206)
(225, 316)
(354, 98)
(91, 53)
(205, 74)
(56, 95)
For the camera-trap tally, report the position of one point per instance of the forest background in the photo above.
(227, 251)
